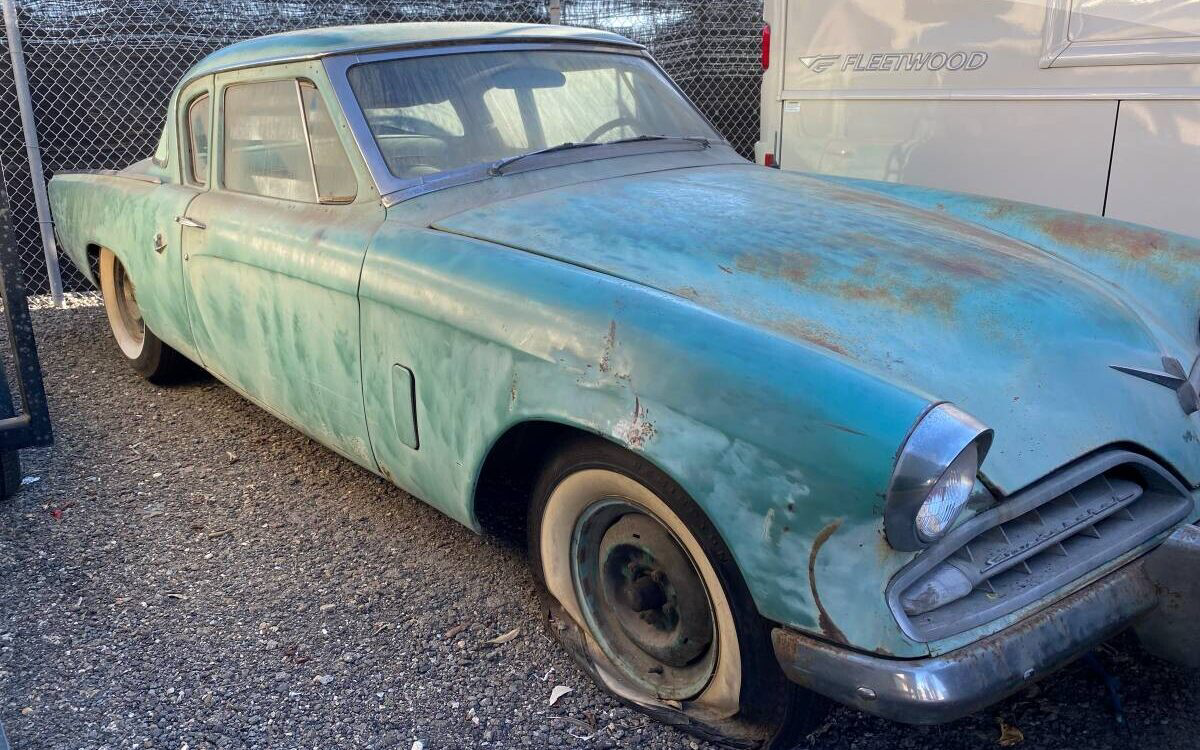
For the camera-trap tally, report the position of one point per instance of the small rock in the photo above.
(323, 679)
(328, 607)
(272, 645)
(27, 710)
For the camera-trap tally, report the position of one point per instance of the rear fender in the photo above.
(135, 219)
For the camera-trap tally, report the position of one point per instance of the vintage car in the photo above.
(774, 434)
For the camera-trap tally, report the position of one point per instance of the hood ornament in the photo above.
(1186, 385)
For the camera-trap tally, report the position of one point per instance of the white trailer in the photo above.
(1087, 105)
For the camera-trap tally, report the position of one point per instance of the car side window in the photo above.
(265, 148)
(198, 124)
(335, 177)
(160, 152)
(280, 142)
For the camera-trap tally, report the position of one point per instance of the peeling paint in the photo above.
(638, 429)
(610, 341)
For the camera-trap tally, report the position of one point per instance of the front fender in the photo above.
(1158, 271)
(787, 447)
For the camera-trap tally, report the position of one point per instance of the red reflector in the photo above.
(766, 46)
(768, 160)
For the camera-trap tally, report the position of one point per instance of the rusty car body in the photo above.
(933, 438)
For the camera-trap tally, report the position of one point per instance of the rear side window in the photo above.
(198, 126)
(280, 142)
(160, 153)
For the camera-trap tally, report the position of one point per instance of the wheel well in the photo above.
(509, 472)
(93, 261)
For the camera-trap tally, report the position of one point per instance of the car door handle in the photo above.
(184, 221)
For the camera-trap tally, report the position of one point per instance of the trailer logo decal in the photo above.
(900, 62)
(819, 63)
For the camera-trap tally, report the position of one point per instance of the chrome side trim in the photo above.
(113, 173)
(944, 688)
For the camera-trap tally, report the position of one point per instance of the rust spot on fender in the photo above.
(1091, 234)
(610, 341)
(808, 331)
(793, 266)
(636, 432)
(832, 631)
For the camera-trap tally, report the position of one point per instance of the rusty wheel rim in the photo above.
(644, 600)
(124, 313)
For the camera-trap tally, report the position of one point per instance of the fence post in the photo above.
(555, 11)
(29, 127)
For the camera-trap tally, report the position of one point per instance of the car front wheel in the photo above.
(645, 596)
(153, 359)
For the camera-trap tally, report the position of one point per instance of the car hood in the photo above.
(1016, 336)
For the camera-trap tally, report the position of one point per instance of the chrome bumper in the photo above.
(947, 687)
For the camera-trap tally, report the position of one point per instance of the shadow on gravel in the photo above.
(187, 570)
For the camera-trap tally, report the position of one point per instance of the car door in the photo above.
(272, 255)
(153, 257)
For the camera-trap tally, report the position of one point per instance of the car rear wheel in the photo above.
(645, 596)
(153, 359)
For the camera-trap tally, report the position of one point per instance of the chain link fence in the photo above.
(101, 71)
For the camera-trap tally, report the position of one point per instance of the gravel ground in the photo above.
(188, 572)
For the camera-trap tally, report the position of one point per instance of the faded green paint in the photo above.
(765, 338)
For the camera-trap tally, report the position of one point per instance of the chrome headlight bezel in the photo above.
(932, 446)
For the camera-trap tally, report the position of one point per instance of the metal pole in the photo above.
(555, 11)
(21, 80)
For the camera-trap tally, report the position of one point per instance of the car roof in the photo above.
(334, 40)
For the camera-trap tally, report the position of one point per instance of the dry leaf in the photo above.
(506, 637)
(558, 692)
(1009, 735)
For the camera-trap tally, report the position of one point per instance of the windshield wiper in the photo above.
(497, 168)
(704, 142)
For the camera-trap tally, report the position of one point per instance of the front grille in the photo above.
(1036, 543)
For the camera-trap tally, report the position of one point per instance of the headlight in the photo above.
(948, 497)
(934, 474)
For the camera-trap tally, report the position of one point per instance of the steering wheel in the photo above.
(612, 124)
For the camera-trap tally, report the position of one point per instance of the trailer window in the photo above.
(1120, 32)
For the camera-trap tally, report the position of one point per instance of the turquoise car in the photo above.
(773, 435)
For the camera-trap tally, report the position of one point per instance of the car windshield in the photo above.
(438, 113)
